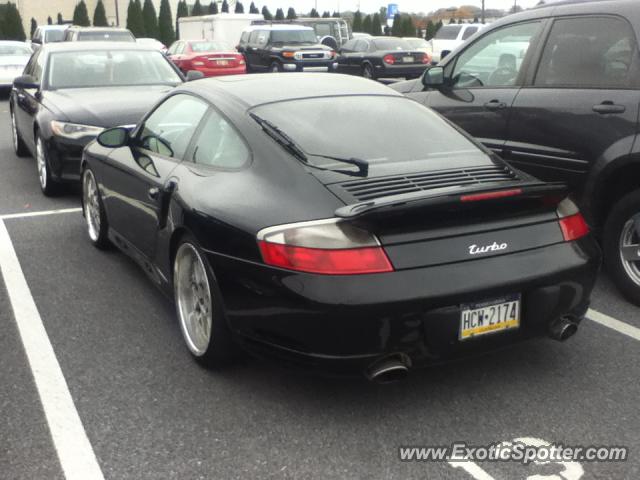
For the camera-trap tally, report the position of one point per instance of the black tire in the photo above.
(18, 144)
(368, 71)
(94, 212)
(48, 184)
(617, 230)
(275, 67)
(220, 350)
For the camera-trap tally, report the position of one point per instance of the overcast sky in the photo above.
(373, 5)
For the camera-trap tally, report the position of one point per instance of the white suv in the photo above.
(450, 36)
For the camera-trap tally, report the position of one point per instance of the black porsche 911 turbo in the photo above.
(335, 224)
(71, 91)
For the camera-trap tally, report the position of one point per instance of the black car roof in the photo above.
(252, 90)
(98, 46)
(628, 8)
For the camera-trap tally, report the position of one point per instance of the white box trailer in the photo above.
(223, 27)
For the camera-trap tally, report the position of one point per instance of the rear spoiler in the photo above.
(452, 195)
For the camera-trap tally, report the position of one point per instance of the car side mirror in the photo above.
(25, 82)
(433, 77)
(194, 75)
(114, 137)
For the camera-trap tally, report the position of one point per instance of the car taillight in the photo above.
(329, 247)
(390, 59)
(571, 221)
(241, 61)
(426, 58)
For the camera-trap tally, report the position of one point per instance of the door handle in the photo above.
(154, 193)
(608, 107)
(495, 105)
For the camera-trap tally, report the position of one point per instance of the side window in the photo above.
(219, 144)
(38, 67)
(253, 39)
(263, 38)
(468, 32)
(587, 52)
(169, 129)
(180, 48)
(494, 60)
(244, 38)
(172, 48)
(36, 35)
(349, 46)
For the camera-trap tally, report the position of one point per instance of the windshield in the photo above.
(105, 35)
(417, 43)
(109, 68)
(14, 50)
(293, 36)
(373, 128)
(391, 44)
(448, 32)
(53, 36)
(209, 46)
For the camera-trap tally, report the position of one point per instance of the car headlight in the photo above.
(74, 130)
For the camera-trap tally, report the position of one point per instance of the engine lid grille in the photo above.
(373, 188)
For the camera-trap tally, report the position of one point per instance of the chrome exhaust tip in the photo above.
(562, 329)
(389, 369)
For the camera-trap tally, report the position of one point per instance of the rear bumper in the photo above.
(400, 70)
(343, 323)
(218, 72)
(309, 66)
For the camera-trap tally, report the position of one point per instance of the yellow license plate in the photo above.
(492, 316)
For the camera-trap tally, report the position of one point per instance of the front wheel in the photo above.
(199, 307)
(622, 246)
(275, 67)
(18, 144)
(93, 210)
(47, 184)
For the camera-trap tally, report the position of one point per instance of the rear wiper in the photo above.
(283, 139)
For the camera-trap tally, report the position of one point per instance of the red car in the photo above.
(210, 58)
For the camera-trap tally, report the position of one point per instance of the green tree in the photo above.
(452, 20)
(253, 8)
(314, 13)
(376, 27)
(408, 29)
(11, 28)
(396, 29)
(326, 14)
(60, 20)
(266, 13)
(182, 11)
(197, 9)
(166, 34)
(367, 24)
(291, 14)
(336, 15)
(213, 8)
(81, 15)
(383, 14)
(225, 7)
(100, 16)
(150, 19)
(135, 22)
(34, 25)
(239, 8)
(356, 26)
(279, 14)
(49, 20)
(430, 30)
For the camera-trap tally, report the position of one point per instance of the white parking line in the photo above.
(614, 324)
(77, 459)
(9, 216)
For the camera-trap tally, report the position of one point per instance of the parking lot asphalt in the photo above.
(150, 412)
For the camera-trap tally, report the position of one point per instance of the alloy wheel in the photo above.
(630, 248)
(14, 132)
(41, 162)
(91, 204)
(193, 298)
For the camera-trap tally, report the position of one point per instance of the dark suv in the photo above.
(556, 91)
(285, 48)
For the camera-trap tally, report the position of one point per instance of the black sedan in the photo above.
(69, 92)
(335, 224)
(381, 57)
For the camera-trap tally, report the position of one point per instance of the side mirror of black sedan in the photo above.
(433, 77)
(194, 75)
(114, 137)
(25, 81)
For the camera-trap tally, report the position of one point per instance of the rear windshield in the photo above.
(293, 36)
(113, 36)
(468, 32)
(378, 129)
(448, 32)
(417, 42)
(15, 50)
(209, 46)
(391, 44)
(53, 36)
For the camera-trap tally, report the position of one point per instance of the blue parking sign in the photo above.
(392, 9)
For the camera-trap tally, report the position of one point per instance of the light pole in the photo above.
(483, 12)
(117, 14)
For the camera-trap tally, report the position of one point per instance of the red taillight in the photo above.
(329, 262)
(330, 247)
(389, 59)
(573, 227)
(426, 58)
(476, 197)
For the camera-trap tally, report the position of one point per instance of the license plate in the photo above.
(408, 59)
(492, 316)
(222, 62)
